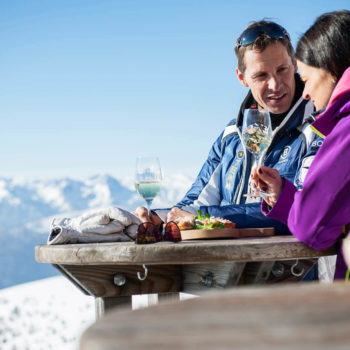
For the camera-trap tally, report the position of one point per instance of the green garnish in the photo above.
(200, 216)
(209, 225)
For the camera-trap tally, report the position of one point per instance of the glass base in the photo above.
(257, 194)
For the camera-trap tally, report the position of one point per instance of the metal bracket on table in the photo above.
(296, 274)
(142, 278)
(208, 279)
(119, 279)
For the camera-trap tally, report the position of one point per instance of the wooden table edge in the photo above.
(189, 252)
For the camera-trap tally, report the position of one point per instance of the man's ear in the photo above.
(240, 77)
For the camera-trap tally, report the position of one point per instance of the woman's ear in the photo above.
(295, 66)
(240, 77)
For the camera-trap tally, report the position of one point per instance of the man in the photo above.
(267, 66)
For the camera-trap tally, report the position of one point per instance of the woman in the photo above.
(319, 215)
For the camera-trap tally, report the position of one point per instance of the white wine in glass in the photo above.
(257, 135)
(148, 178)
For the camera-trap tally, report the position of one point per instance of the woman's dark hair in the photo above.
(326, 44)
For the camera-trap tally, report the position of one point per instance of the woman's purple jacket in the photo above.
(317, 214)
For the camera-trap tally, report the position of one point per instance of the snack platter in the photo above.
(210, 227)
(227, 233)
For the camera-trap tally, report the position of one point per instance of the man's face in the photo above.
(270, 76)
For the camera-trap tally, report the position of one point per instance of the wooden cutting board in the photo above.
(227, 233)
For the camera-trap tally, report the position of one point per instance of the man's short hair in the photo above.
(262, 40)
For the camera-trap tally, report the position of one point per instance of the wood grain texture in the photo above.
(239, 250)
(303, 266)
(299, 316)
(103, 305)
(256, 272)
(98, 280)
(202, 277)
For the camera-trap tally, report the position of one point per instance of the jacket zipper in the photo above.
(242, 180)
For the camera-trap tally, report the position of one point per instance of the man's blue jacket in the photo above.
(224, 177)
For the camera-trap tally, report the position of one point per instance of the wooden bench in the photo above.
(290, 316)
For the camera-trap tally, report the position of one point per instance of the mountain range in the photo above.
(28, 206)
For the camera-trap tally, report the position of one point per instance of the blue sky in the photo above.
(87, 86)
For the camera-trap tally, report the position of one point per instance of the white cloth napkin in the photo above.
(103, 225)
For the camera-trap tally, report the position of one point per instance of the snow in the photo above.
(46, 314)
(102, 197)
(50, 314)
(23, 201)
(52, 194)
(4, 193)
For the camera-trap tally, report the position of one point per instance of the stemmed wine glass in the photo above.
(257, 135)
(148, 178)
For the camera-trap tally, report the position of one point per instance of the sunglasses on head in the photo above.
(148, 233)
(273, 30)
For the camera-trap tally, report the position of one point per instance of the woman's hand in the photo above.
(268, 180)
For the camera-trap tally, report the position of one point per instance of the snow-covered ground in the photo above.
(46, 314)
(50, 314)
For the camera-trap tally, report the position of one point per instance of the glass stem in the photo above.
(256, 159)
(149, 202)
(257, 164)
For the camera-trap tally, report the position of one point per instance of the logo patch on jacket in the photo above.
(316, 144)
(285, 152)
(240, 154)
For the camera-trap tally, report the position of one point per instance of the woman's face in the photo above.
(319, 84)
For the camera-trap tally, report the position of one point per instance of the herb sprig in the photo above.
(202, 222)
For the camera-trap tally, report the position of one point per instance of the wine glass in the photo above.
(148, 178)
(257, 135)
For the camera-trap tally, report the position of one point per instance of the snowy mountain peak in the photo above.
(25, 201)
(28, 206)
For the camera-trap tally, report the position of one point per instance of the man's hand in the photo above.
(145, 216)
(268, 180)
(176, 213)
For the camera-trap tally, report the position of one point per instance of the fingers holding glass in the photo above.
(268, 180)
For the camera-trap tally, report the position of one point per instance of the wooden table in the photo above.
(100, 269)
(310, 316)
